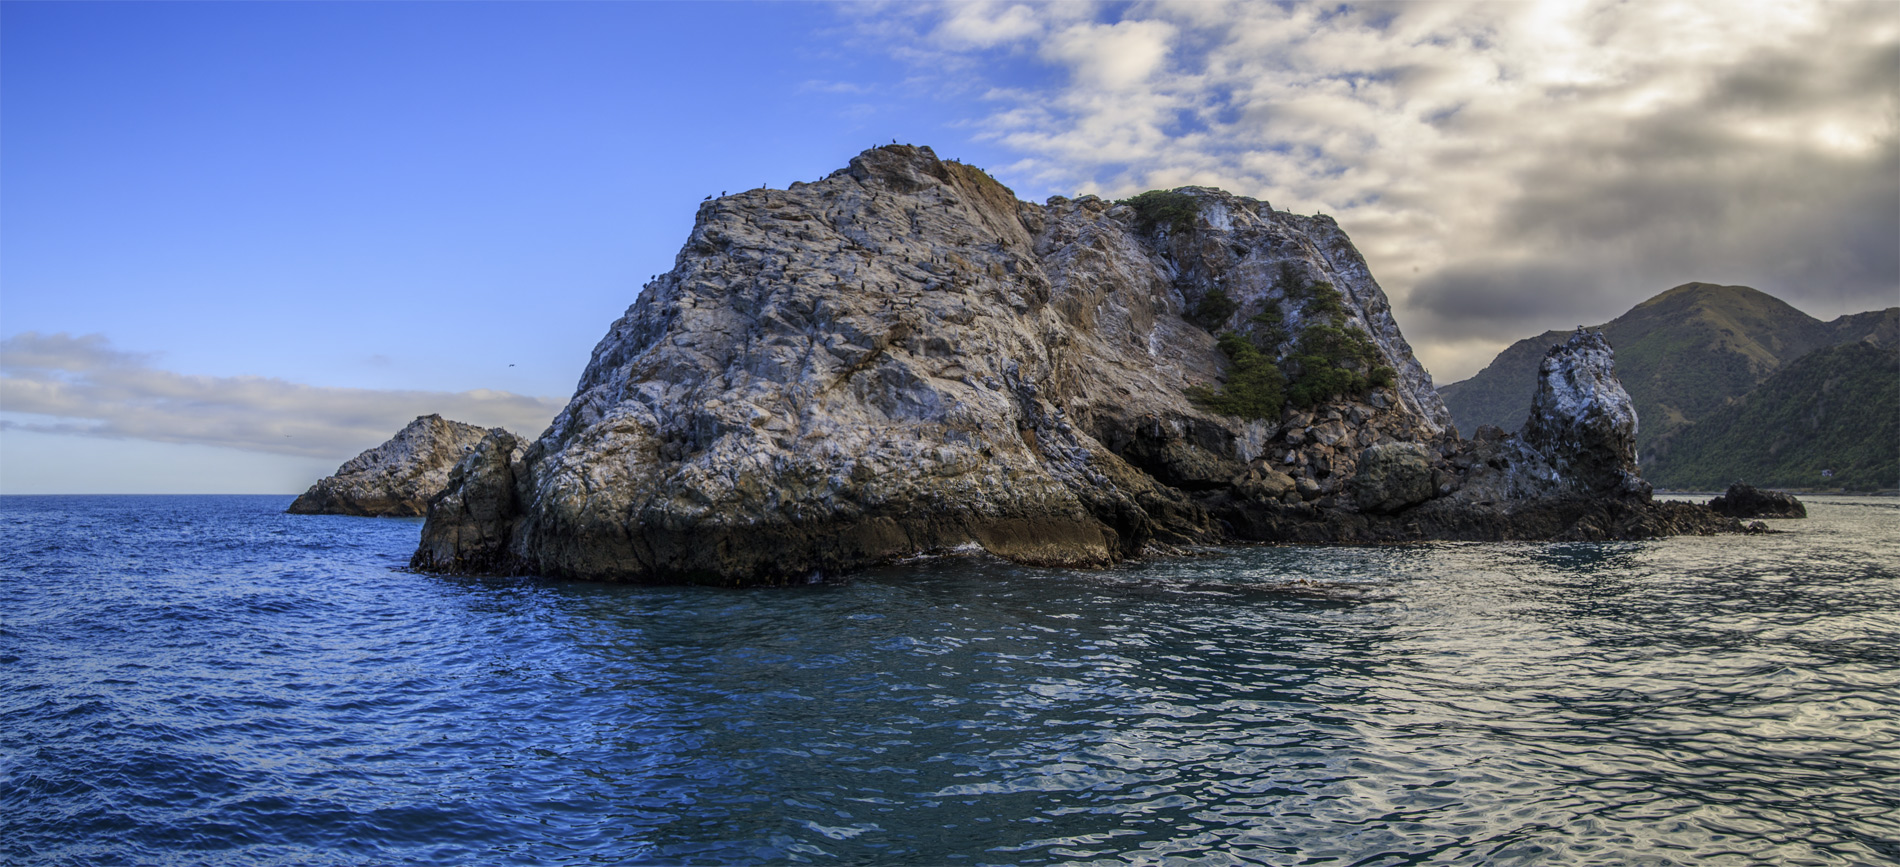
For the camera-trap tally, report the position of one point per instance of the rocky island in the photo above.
(1747, 501)
(398, 478)
(903, 358)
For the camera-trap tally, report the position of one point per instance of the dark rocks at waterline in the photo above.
(398, 478)
(468, 522)
(1745, 501)
(1561, 519)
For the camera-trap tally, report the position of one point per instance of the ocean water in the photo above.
(204, 680)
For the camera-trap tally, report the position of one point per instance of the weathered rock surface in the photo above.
(1392, 476)
(903, 358)
(397, 478)
(1582, 421)
(1745, 501)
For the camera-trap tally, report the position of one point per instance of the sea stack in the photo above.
(398, 478)
(902, 358)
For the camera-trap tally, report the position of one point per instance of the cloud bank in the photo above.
(1505, 167)
(81, 385)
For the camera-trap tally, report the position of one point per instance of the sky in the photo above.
(241, 242)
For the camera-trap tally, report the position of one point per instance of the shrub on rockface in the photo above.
(1330, 359)
(1267, 329)
(1254, 388)
(1163, 208)
(1213, 309)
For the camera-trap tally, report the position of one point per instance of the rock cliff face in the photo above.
(903, 358)
(397, 478)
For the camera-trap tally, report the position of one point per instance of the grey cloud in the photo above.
(81, 385)
(1510, 300)
(86, 352)
(1766, 85)
(1817, 234)
(1685, 196)
(1877, 69)
(1507, 168)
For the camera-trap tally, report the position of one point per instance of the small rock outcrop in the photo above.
(902, 358)
(1569, 473)
(468, 523)
(397, 478)
(1745, 501)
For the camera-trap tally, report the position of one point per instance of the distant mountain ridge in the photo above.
(1829, 419)
(1682, 355)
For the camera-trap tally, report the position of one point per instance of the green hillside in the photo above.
(1682, 355)
(1835, 409)
(1881, 327)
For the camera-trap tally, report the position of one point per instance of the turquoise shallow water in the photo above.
(203, 680)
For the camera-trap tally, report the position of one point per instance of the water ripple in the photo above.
(203, 680)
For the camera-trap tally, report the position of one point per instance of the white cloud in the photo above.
(844, 87)
(1112, 57)
(1505, 167)
(984, 25)
(56, 383)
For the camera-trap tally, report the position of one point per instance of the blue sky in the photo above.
(241, 242)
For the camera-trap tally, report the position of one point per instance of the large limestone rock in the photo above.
(903, 358)
(397, 478)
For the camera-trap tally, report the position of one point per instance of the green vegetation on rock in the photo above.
(1837, 410)
(1331, 359)
(1255, 388)
(1213, 309)
(1163, 208)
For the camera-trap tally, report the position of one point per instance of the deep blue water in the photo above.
(204, 680)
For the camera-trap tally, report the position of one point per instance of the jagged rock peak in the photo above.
(397, 478)
(1582, 420)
